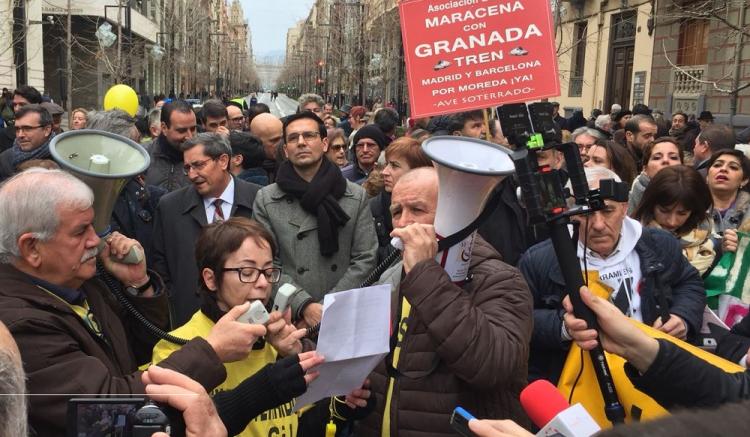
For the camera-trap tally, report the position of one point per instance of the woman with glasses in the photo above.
(235, 263)
(337, 147)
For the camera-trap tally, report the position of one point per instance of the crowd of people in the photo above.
(236, 202)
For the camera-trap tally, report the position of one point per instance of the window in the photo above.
(693, 48)
(578, 61)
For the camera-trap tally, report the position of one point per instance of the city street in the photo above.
(281, 107)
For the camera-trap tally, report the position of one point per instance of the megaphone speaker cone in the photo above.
(469, 155)
(468, 170)
(104, 161)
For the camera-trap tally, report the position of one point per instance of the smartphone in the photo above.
(110, 416)
(460, 422)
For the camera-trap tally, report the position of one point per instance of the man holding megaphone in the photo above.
(452, 344)
(67, 324)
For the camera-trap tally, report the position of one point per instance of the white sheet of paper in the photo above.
(354, 337)
(709, 316)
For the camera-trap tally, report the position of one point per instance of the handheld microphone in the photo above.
(549, 410)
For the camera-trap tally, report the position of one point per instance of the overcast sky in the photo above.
(270, 19)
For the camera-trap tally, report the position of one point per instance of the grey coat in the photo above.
(179, 219)
(296, 235)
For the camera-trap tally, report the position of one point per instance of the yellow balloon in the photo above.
(121, 97)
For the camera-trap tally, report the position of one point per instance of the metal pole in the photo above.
(737, 64)
(118, 66)
(69, 65)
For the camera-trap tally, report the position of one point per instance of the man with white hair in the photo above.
(67, 324)
(455, 344)
(643, 269)
(603, 124)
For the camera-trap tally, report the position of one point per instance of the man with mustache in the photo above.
(72, 333)
(214, 194)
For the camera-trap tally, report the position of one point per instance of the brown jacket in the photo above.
(62, 356)
(477, 336)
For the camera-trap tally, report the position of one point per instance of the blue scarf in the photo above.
(20, 156)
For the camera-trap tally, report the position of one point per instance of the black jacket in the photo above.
(381, 214)
(7, 169)
(665, 272)
(7, 137)
(505, 229)
(165, 170)
(677, 378)
(179, 219)
(133, 214)
(735, 344)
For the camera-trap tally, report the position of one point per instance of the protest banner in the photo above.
(469, 54)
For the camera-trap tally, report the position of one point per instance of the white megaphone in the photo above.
(105, 162)
(468, 170)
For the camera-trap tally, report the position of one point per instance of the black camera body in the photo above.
(126, 417)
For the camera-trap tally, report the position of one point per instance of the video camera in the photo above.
(123, 416)
(532, 129)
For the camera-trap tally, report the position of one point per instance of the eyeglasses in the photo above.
(236, 119)
(249, 275)
(364, 145)
(307, 136)
(26, 129)
(197, 165)
(337, 147)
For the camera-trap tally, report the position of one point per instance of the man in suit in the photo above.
(320, 221)
(214, 194)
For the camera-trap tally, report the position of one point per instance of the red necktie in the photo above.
(218, 213)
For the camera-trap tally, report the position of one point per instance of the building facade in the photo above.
(604, 53)
(176, 47)
(701, 60)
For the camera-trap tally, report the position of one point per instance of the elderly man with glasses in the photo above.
(321, 223)
(214, 195)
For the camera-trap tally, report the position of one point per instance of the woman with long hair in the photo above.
(678, 200)
(611, 155)
(728, 173)
(662, 153)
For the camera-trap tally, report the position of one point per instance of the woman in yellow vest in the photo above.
(235, 262)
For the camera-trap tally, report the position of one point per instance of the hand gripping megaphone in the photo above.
(105, 162)
(468, 170)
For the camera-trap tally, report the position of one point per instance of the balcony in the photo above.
(683, 84)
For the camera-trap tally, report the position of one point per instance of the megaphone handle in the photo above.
(397, 243)
(134, 256)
